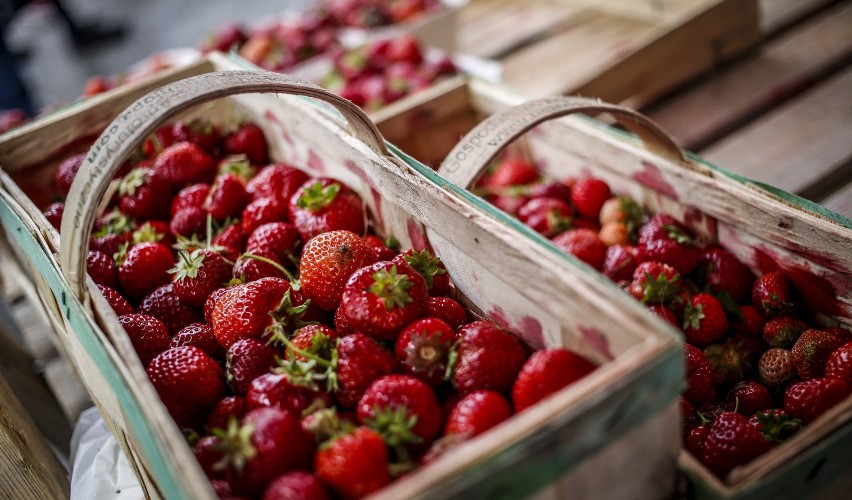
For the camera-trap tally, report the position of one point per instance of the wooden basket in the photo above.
(759, 224)
(621, 418)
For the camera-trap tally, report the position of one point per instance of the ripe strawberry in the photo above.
(327, 263)
(147, 334)
(695, 440)
(278, 390)
(722, 272)
(403, 410)
(354, 465)
(154, 231)
(53, 214)
(509, 203)
(550, 189)
(732, 442)
(67, 171)
(294, 485)
(246, 360)
(188, 222)
(232, 239)
(655, 283)
(839, 364)
(776, 367)
(477, 412)
(620, 262)
(210, 304)
(775, 425)
(200, 131)
(224, 39)
(144, 267)
(162, 138)
(263, 211)
(512, 172)
(201, 336)
(430, 268)
(783, 331)
(188, 381)
(276, 181)
(487, 358)
(190, 197)
(361, 360)
(583, 244)
(749, 397)
(383, 252)
(548, 216)
(749, 324)
(144, 194)
(227, 197)
(247, 140)
(588, 196)
(101, 267)
(547, 372)
(704, 320)
(197, 274)
(184, 163)
(666, 240)
(323, 205)
(317, 339)
(809, 399)
(223, 411)
(732, 359)
(423, 348)
(688, 415)
(252, 266)
(278, 238)
(380, 299)
(164, 304)
(699, 376)
(448, 310)
(665, 314)
(117, 301)
(772, 294)
(811, 351)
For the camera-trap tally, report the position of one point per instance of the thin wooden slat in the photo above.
(783, 67)
(776, 14)
(840, 201)
(802, 147)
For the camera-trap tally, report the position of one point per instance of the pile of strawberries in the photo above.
(303, 357)
(758, 368)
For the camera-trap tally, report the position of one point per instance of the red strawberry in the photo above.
(583, 244)
(154, 231)
(144, 194)
(547, 372)
(184, 163)
(430, 268)
(699, 376)
(101, 267)
(783, 331)
(210, 304)
(588, 196)
(341, 323)
(117, 301)
(809, 399)
(775, 425)
(666, 240)
(448, 310)
(197, 274)
(620, 262)
(188, 381)
(188, 222)
(732, 442)
(355, 464)
(67, 171)
(224, 39)
(548, 216)
(247, 140)
(227, 197)
(508, 203)
(477, 412)
(655, 283)
(383, 252)
(199, 131)
(317, 339)
(144, 267)
(201, 336)
(164, 304)
(688, 415)
(487, 358)
(226, 409)
(325, 204)
(749, 397)
(162, 138)
(253, 266)
(812, 349)
(327, 263)
(279, 238)
(704, 320)
(551, 189)
(839, 364)
(665, 314)
(262, 211)
(772, 294)
(423, 348)
(248, 359)
(776, 367)
(278, 390)
(749, 324)
(403, 410)
(379, 300)
(249, 309)
(695, 440)
(725, 273)
(53, 214)
(512, 172)
(190, 197)
(147, 334)
(233, 239)
(361, 360)
(296, 485)
(276, 181)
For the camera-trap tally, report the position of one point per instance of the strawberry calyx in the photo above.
(121, 254)
(237, 165)
(392, 288)
(677, 234)
(235, 445)
(425, 265)
(188, 264)
(146, 233)
(660, 289)
(316, 197)
(427, 353)
(132, 181)
(326, 425)
(692, 316)
(728, 360)
(286, 319)
(329, 366)
(114, 222)
(452, 360)
(392, 243)
(558, 223)
(776, 426)
(394, 425)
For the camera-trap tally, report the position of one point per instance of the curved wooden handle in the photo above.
(127, 132)
(469, 158)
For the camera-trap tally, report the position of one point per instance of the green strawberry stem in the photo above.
(316, 197)
(391, 288)
(394, 425)
(330, 375)
(294, 283)
(236, 445)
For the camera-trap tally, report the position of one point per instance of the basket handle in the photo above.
(469, 158)
(139, 120)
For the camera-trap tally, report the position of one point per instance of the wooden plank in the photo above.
(802, 147)
(840, 201)
(775, 15)
(784, 67)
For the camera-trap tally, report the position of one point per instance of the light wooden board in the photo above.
(775, 15)
(840, 201)
(802, 147)
(783, 67)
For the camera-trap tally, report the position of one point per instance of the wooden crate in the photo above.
(628, 51)
(758, 223)
(596, 421)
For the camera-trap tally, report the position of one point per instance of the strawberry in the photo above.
(588, 196)
(281, 239)
(188, 381)
(620, 262)
(724, 273)
(614, 233)
(772, 294)
(144, 267)
(749, 397)
(477, 412)
(262, 211)
(354, 465)
(704, 320)
(732, 359)
(380, 299)
(423, 349)
(583, 244)
(67, 171)
(809, 399)
(547, 372)
(341, 324)
(776, 367)
(509, 203)
(749, 323)
(699, 376)
(247, 140)
(548, 216)
(223, 411)
(383, 252)
(246, 360)
(144, 194)
(783, 331)
(188, 222)
(323, 205)
(252, 266)
(147, 334)
(811, 351)
(403, 410)
(224, 39)
(665, 314)
(405, 48)
(666, 240)
(276, 181)
(278, 390)
(53, 214)
(732, 442)
(184, 163)
(839, 364)
(695, 440)
(201, 336)
(361, 360)
(227, 197)
(296, 485)
(192, 196)
(621, 209)
(775, 425)
(232, 239)
(688, 415)
(512, 172)
(448, 310)
(164, 304)
(197, 274)
(486, 358)
(154, 231)
(117, 301)
(101, 267)
(430, 268)
(655, 283)
(210, 304)
(199, 131)
(162, 138)
(327, 263)
(316, 339)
